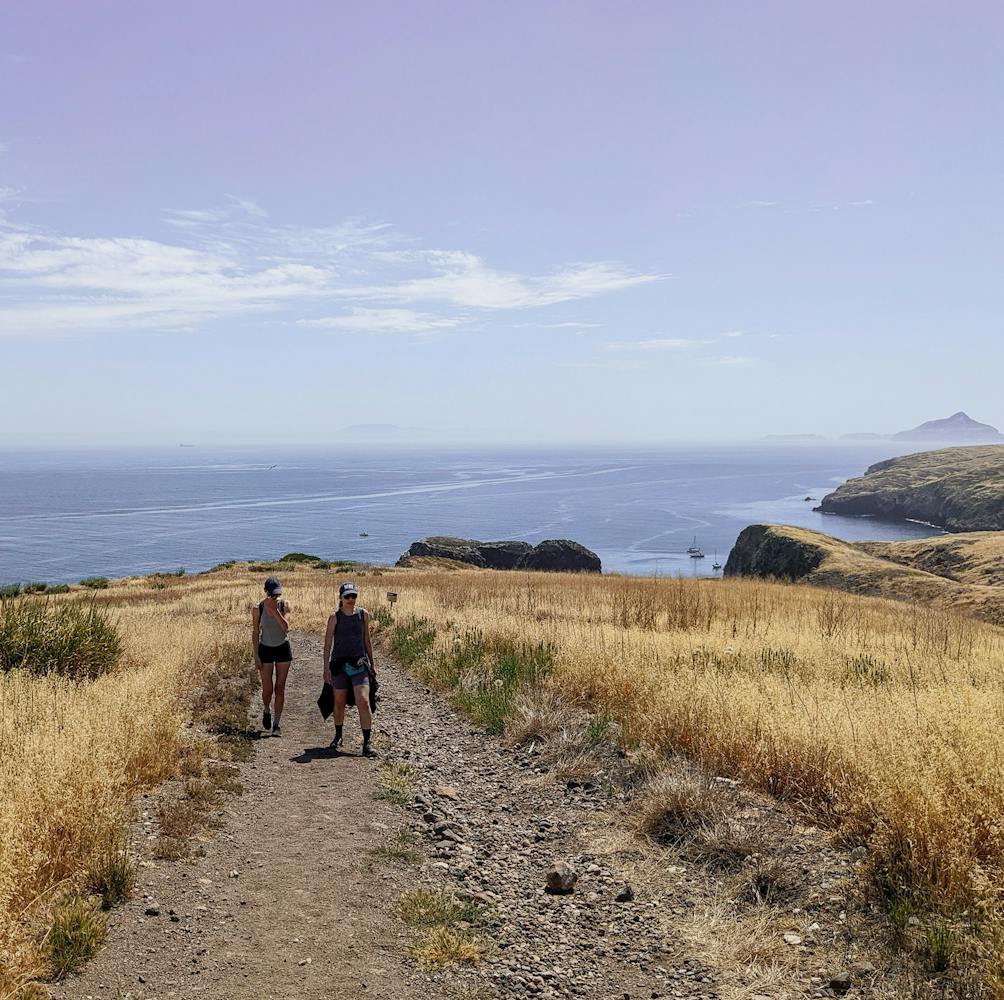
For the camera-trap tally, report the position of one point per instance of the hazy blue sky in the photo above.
(240, 221)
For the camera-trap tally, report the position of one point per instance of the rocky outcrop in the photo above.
(553, 555)
(765, 551)
(561, 556)
(959, 489)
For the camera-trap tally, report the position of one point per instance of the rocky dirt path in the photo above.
(294, 898)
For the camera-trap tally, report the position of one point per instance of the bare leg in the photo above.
(363, 704)
(340, 698)
(265, 672)
(281, 672)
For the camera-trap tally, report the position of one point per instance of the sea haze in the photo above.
(69, 515)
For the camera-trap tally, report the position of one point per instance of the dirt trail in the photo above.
(289, 899)
(303, 917)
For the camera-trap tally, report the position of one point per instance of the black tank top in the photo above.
(350, 640)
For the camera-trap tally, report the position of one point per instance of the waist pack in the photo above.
(355, 669)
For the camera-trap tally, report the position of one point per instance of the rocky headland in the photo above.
(551, 555)
(959, 489)
(951, 571)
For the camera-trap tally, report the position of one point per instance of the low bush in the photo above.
(75, 640)
(77, 931)
(34, 588)
(10, 590)
(300, 557)
(111, 877)
(95, 582)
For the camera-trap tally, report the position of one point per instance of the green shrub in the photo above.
(412, 640)
(95, 582)
(75, 640)
(111, 877)
(229, 564)
(10, 590)
(382, 616)
(34, 588)
(77, 930)
(58, 588)
(300, 557)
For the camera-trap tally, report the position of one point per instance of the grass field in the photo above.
(879, 719)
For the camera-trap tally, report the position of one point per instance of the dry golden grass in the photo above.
(880, 718)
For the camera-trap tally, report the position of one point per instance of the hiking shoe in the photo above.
(266, 720)
(276, 731)
(336, 743)
(368, 751)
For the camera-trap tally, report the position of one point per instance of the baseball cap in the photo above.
(272, 587)
(348, 588)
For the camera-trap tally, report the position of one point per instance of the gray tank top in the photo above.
(350, 638)
(270, 631)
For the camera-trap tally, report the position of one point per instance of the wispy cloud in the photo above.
(657, 344)
(566, 325)
(734, 360)
(364, 320)
(232, 260)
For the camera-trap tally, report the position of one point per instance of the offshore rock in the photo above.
(554, 555)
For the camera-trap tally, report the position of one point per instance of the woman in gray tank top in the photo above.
(269, 630)
(348, 661)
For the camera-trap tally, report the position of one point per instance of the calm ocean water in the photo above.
(68, 515)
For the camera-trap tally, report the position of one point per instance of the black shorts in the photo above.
(275, 654)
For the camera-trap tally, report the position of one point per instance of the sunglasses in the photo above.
(349, 597)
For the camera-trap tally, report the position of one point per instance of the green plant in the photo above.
(300, 557)
(397, 780)
(95, 582)
(34, 588)
(412, 640)
(867, 671)
(598, 729)
(401, 849)
(229, 564)
(10, 590)
(427, 908)
(111, 877)
(58, 588)
(73, 639)
(382, 616)
(77, 930)
(941, 946)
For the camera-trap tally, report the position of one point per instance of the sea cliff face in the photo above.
(959, 489)
(763, 550)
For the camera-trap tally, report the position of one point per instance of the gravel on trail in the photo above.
(287, 899)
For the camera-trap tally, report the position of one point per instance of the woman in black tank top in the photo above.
(348, 662)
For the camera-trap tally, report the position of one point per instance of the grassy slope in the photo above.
(958, 572)
(959, 488)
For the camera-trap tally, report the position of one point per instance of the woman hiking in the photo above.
(348, 660)
(269, 631)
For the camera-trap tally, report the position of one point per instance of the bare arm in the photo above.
(329, 638)
(255, 632)
(366, 639)
(275, 609)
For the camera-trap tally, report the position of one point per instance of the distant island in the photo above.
(958, 489)
(959, 428)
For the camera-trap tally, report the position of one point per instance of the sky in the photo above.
(497, 222)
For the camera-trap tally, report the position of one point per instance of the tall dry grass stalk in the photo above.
(73, 756)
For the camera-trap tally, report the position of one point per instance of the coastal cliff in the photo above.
(952, 571)
(552, 555)
(959, 489)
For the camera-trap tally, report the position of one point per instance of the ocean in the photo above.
(67, 515)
